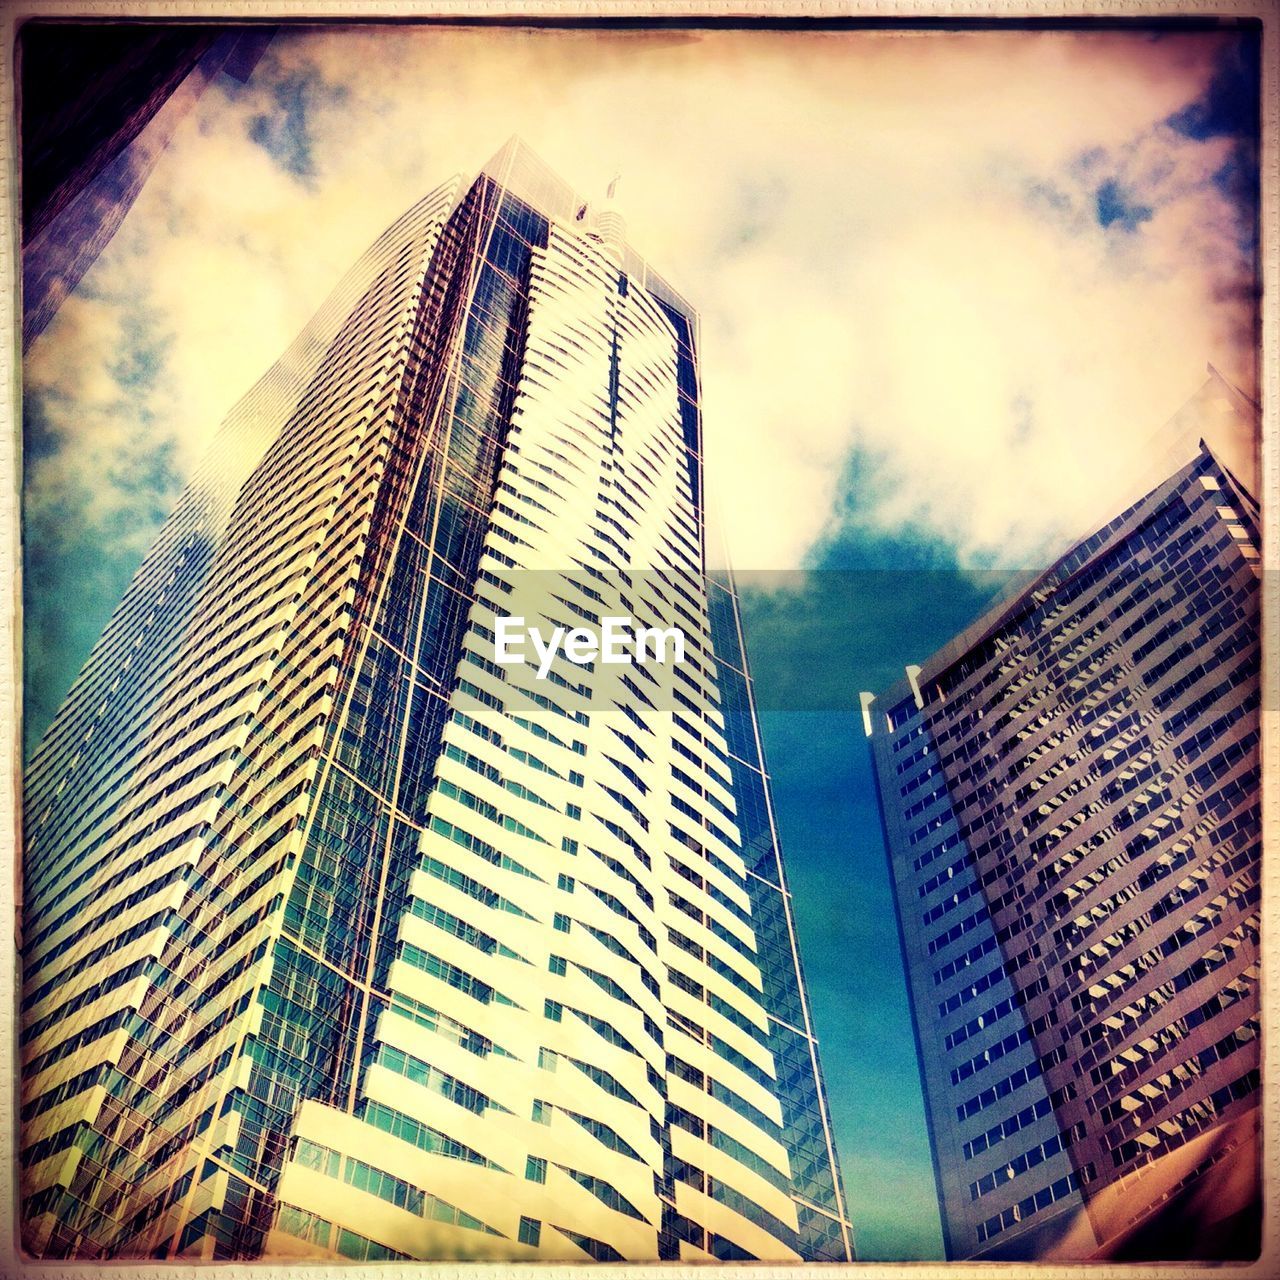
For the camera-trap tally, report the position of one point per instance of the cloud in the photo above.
(99, 477)
(283, 129)
(993, 262)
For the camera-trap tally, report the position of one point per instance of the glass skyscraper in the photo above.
(1070, 794)
(344, 938)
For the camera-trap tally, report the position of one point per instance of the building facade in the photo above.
(344, 937)
(1070, 796)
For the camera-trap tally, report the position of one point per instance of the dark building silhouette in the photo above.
(97, 106)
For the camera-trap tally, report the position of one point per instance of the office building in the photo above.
(344, 937)
(1070, 795)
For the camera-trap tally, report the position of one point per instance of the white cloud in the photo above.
(891, 238)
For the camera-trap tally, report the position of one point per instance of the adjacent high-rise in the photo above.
(342, 937)
(1070, 794)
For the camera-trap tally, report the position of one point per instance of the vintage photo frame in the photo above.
(745, 17)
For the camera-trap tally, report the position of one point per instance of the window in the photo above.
(558, 965)
(554, 1010)
(564, 882)
(535, 1169)
(573, 811)
(569, 846)
(530, 1231)
(303, 1225)
(541, 1112)
(562, 922)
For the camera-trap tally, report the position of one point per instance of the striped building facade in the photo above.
(342, 938)
(1070, 795)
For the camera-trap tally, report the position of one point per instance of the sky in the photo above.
(952, 286)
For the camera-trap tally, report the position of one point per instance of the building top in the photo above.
(519, 169)
(1013, 598)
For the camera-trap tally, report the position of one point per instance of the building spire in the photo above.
(610, 224)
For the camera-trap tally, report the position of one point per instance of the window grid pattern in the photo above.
(1092, 780)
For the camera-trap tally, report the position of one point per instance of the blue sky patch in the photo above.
(286, 133)
(1115, 205)
(1229, 107)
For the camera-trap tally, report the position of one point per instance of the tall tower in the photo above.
(346, 935)
(1070, 794)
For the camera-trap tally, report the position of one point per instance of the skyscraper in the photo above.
(345, 934)
(1070, 794)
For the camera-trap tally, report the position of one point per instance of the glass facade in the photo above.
(1070, 794)
(344, 940)
(824, 1228)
